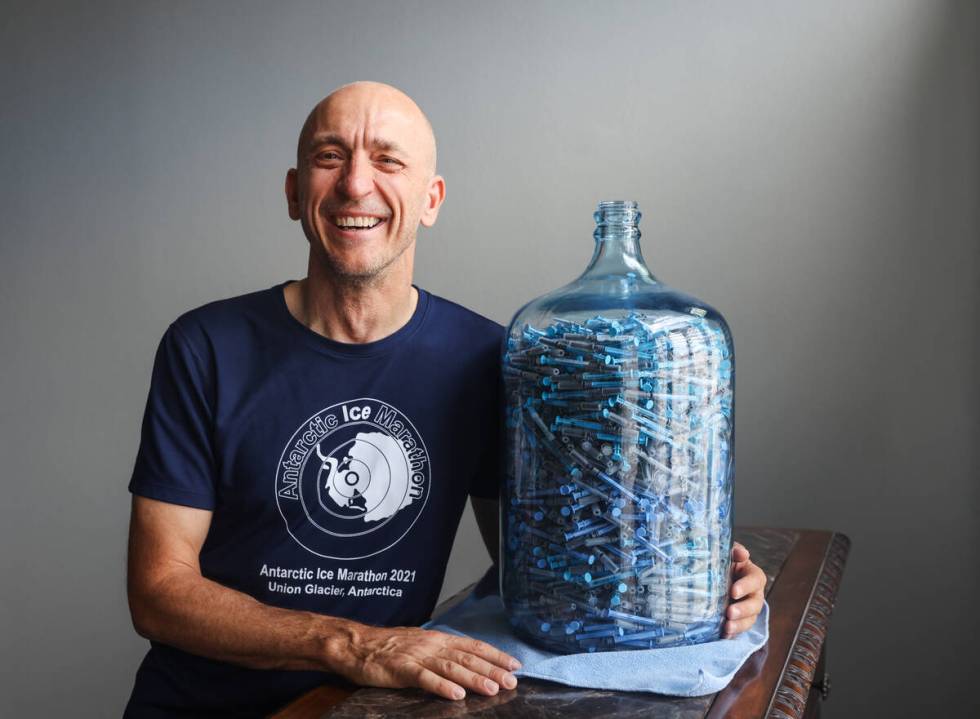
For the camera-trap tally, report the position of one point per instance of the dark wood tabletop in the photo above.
(786, 679)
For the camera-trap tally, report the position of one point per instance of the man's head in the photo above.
(364, 179)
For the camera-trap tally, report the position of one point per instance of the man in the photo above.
(308, 449)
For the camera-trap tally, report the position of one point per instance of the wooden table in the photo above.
(786, 679)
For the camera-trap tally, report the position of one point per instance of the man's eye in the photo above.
(390, 161)
(328, 155)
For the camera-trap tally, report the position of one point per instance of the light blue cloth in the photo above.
(687, 671)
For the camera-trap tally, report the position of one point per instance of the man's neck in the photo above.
(352, 312)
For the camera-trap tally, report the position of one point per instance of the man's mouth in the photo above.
(351, 222)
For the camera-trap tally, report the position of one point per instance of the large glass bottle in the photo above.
(617, 516)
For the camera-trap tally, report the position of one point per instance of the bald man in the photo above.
(308, 449)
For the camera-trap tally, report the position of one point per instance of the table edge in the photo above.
(790, 699)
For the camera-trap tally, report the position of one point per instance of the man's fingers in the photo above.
(434, 684)
(747, 608)
(740, 589)
(482, 666)
(736, 627)
(488, 652)
(752, 581)
(449, 666)
(739, 553)
(740, 559)
(462, 676)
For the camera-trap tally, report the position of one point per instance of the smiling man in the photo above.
(308, 449)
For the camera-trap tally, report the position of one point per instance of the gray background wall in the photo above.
(809, 168)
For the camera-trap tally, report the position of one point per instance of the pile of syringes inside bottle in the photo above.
(619, 484)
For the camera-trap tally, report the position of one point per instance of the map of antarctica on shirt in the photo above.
(371, 482)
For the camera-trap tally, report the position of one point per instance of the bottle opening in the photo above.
(617, 205)
(623, 213)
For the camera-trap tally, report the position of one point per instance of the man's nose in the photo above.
(358, 179)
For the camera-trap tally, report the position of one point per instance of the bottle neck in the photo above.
(617, 243)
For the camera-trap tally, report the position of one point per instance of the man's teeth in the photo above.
(357, 221)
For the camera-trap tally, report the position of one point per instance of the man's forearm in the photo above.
(198, 615)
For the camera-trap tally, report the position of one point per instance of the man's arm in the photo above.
(172, 603)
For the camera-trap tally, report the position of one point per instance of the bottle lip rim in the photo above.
(623, 214)
(617, 205)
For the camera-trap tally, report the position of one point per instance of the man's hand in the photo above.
(747, 593)
(440, 663)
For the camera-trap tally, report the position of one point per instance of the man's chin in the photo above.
(359, 268)
(356, 272)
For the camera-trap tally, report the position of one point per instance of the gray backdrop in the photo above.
(809, 168)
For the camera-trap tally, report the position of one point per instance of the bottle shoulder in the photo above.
(614, 297)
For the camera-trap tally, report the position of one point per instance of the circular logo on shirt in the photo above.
(353, 479)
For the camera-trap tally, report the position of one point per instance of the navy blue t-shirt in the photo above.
(337, 473)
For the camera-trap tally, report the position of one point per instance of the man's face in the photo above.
(365, 180)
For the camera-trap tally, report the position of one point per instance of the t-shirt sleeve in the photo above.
(486, 480)
(175, 462)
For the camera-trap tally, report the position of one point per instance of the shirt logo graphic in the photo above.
(353, 480)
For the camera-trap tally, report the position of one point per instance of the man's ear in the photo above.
(434, 199)
(292, 194)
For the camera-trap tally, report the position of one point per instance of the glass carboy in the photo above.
(617, 507)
